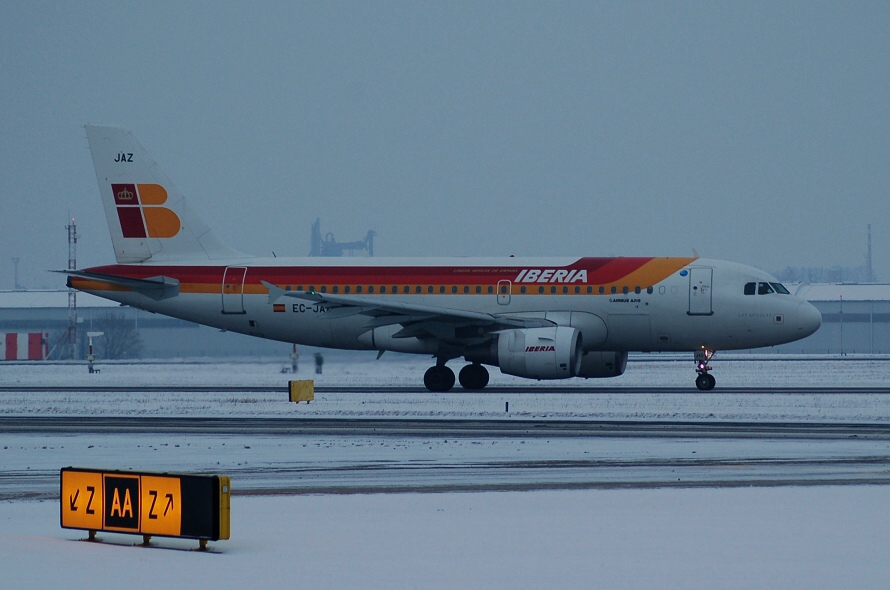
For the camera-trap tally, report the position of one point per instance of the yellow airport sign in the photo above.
(162, 504)
(82, 505)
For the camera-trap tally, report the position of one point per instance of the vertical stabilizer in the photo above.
(148, 217)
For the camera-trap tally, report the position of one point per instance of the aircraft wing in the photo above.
(417, 320)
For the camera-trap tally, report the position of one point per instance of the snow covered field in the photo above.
(785, 537)
(807, 538)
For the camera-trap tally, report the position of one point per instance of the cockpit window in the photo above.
(765, 288)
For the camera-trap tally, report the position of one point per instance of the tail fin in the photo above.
(148, 217)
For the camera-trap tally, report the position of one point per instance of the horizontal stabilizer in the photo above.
(156, 288)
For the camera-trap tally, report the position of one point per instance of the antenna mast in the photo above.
(71, 334)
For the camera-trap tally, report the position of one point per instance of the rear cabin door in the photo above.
(233, 289)
(700, 289)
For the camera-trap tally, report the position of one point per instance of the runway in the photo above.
(373, 455)
(406, 427)
(373, 428)
(420, 390)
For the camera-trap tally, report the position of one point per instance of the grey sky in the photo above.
(755, 132)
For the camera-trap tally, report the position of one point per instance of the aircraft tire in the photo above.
(439, 379)
(705, 382)
(473, 377)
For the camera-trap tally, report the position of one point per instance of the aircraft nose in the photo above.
(808, 318)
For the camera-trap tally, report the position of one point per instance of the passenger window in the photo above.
(764, 289)
(478, 289)
(336, 289)
(347, 289)
(540, 290)
(522, 289)
(454, 288)
(490, 289)
(358, 288)
(750, 288)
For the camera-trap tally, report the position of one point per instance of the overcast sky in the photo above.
(754, 132)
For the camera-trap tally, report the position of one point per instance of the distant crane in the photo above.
(329, 246)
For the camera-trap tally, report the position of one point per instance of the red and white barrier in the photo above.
(24, 346)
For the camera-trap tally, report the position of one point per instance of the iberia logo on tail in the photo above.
(140, 213)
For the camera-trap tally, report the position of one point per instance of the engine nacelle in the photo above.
(540, 353)
(603, 363)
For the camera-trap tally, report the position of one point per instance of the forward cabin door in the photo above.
(504, 288)
(700, 289)
(233, 289)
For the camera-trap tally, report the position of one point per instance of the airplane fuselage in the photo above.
(645, 304)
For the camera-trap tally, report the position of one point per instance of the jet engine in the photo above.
(540, 353)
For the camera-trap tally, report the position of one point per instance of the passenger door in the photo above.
(700, 289)
(233, 289)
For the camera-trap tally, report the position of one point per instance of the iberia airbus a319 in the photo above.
(540, 318)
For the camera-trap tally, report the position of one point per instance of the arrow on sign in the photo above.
(72, 501)
(169, 503)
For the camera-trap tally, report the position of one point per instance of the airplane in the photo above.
(538, 318)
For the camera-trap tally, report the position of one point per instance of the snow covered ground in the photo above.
(812, 538)
(610, 399)
(786, 537)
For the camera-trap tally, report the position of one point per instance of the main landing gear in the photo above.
(440, 378)
(705, 381)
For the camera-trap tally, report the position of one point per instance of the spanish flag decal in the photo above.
(278, 307)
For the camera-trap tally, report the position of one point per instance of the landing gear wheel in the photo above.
(705, 382)
(473, 377)
(438, 378)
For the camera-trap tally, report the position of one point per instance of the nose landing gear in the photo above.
(705, 381)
